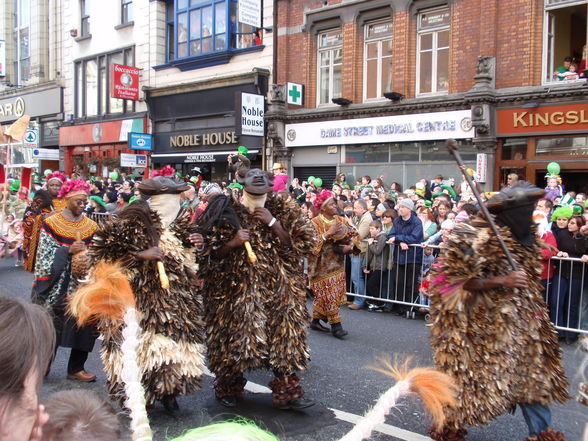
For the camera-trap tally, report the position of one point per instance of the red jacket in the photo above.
(547, 253)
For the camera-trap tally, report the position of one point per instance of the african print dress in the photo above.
(53, 276)
(326, 270)
(32, 222)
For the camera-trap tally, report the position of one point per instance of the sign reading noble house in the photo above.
(124, 82)
(398, 128)
(252, 114)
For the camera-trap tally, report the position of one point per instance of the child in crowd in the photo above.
(375, 262)
(80, 415)
(554, 188)
(570, 74)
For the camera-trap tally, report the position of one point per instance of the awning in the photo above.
(196, 157)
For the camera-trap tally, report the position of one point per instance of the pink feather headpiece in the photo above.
(321, 198)
(166, 171)
(77, 186)
(56, 175)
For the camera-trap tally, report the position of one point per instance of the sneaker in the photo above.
(355, 307)
(375, 308)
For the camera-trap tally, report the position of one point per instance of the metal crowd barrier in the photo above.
(565, 289)
(100, 217)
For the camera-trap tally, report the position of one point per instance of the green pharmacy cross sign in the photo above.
(295, 94)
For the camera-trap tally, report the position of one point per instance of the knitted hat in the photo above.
(406, 202)
(566, 212)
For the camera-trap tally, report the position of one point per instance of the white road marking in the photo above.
(386, 429)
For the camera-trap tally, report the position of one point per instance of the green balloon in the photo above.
(113, 175)
(47, 172)
(311, 179)
(553, 168)
(318, 182)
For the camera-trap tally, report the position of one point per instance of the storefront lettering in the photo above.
(215, 138)
(526, 119)
(13, 109)
(390, 129)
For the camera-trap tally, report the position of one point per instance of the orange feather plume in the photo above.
(106, 295)
(436, 389)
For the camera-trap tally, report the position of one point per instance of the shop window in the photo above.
(126, 11)
(366, 153)
(377, 59)
(571, 146)
(203, 28)
(433, 51)
(92, 80)
(564, 40)
(330, 64)
(514, 149)
(85, 18)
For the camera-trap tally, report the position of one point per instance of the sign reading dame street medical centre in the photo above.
(397, 128)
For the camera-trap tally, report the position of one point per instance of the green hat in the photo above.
(235, 185)
(577, 210)
(133, 199)
(98, 200)
(566, 212)
(428, 204)
(242, 150)
(15, 185)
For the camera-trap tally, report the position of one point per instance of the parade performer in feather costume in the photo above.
(61, 262)
(255, 308)
(153, 249)
(490, 326)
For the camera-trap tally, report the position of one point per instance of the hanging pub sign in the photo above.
(124, 82)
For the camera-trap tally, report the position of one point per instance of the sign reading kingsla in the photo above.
(252, 114)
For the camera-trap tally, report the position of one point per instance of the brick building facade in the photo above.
(440, 58)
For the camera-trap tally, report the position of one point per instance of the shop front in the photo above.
(399, 148)
(200, 124)
(40, 148)
(95, 149)
(532, 136)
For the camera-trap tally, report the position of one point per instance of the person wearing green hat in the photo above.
(97, 205)
(14, 205)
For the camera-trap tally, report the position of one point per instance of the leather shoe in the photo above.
(228, 401)
(339, 333)
(83, 376)
(300, 403)
(318, 327)
(355, 306)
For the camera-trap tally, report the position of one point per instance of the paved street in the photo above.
(337, 378)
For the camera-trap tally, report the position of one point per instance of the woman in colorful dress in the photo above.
(44, 204)
(61, 262)
(326, 265)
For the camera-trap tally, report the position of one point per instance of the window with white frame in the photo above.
(330, 65)
(564, 40)
(377, 59)
(92, 84)
(85, 18)
(22, 60)
(433, 51)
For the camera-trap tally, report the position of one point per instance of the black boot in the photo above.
(338, 331)
(317, 326)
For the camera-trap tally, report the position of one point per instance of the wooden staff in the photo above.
(452, 147)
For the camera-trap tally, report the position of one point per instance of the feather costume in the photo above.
(171, 351)
(256, 316)
(498, 345)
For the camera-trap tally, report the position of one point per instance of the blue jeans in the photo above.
(358, 279)
(537, 416)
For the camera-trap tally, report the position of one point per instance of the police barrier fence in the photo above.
(393, 280)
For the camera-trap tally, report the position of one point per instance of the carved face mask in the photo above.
(257, 182)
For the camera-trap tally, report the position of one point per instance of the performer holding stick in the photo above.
(490, 326)
(255, 312)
